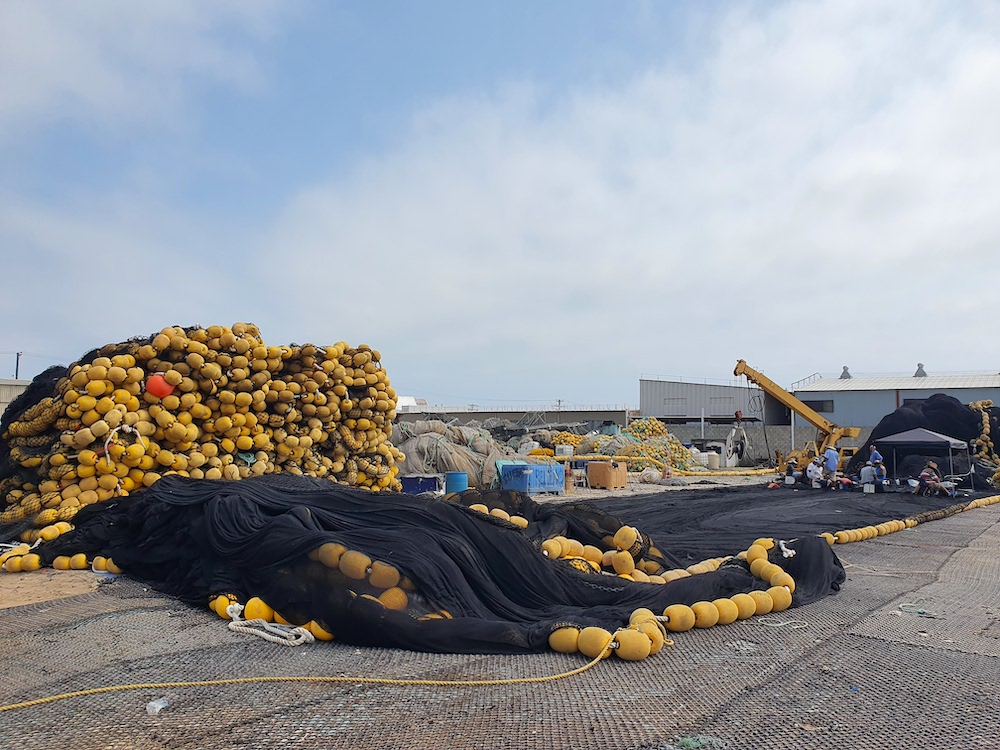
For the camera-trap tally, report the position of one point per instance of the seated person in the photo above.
(814, 472)
(929, 479)
(869, 475)
(881, 475)
(792, 470)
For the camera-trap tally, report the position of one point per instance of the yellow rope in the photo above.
(245, 680)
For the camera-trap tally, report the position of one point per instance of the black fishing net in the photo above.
(939, 413)
(396, 570)
(696, 524)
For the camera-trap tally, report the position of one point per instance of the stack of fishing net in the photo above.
(645, 443)
(646, 429)
(477, 572)
(946, 415)
(433, 447)
(566, 438)
(985, 449)
(658, 453)
(206, 403)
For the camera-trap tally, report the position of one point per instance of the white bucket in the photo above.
(713, 460)
(868, 489)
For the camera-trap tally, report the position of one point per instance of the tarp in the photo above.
(921, 436)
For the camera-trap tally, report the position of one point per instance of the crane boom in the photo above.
(829, 433)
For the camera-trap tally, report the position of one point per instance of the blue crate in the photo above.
(416, 484)
(533, 478)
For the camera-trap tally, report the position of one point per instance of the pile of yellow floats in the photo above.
(207, 403)
(647, 632)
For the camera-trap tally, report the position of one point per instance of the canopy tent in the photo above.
(923, 440)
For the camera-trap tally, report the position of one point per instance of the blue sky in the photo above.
(515, 203)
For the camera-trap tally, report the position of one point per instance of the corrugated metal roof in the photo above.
(903, 383)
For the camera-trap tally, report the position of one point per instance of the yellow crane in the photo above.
(827, 433)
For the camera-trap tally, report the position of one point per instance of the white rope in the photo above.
(286, 635)
(107, 445)
(785, 550)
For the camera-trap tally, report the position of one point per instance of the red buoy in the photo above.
(158, 386)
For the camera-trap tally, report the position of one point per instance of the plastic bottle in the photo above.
(154, 707)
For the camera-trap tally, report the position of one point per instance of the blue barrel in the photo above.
(456, 481)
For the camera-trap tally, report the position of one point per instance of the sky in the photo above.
(515, 203)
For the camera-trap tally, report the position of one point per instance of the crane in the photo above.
(827, 433)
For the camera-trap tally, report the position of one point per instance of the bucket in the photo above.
(713, 460)
(456, 481)
(789, 480)
(869, 489)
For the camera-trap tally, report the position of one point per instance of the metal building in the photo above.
(9, 390)
(680, 401)
(862, 402)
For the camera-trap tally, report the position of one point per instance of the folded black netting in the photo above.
(450, 579)
(696, 524)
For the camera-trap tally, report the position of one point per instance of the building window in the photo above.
(823, 407)
(675, 407)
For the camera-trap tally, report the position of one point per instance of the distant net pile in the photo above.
(477, 572)
(206, 403)
(946, 415)
(433, 447)
(644, 444)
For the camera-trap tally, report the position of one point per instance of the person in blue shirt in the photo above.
(875, 457)
(830, 460)
(881, 477)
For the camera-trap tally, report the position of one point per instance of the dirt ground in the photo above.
(44, 585)
(634, 487)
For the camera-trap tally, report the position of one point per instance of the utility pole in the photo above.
(559, 404)
(17, 365)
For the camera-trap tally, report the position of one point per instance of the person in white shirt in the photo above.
(814, 471)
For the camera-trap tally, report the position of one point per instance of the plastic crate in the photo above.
(414, 485)
(533, 478)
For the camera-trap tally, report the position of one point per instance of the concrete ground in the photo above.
(906, 654)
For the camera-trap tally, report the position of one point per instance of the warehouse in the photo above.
(9, 390)
(863, 401)
(681, 402)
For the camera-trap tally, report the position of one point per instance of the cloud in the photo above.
(815, 190)
(112, 63)
(816, 187)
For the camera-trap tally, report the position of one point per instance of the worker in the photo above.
(874, 456)
(814, 472)
(929, 478)
(881, 475)
(830, 460)
(792, 469)
(870, 476)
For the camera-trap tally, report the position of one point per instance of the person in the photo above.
(830, 460)
(929, 478)
(868, 473)
(814, 472)
(875, 457)
(881, 475)
(792, 469)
